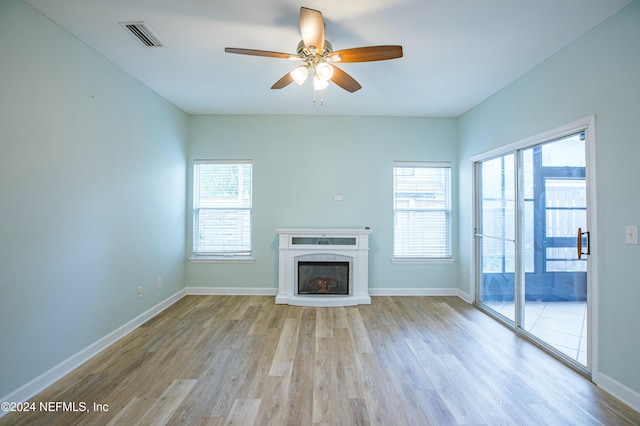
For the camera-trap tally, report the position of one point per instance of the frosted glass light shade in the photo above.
(319, 84)
(299, 75)
(324, 71)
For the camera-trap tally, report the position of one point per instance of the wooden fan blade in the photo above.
(344, 80)
(283, 82)
(368, 54)
(312, 29)
(254, 52)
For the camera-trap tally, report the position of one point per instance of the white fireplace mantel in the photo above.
(351, 244)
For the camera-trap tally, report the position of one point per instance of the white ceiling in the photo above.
(456, 52)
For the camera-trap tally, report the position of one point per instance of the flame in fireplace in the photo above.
(323, 285)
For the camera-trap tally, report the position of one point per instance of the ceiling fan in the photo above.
(319, 58)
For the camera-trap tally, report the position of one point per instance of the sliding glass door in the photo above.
(532, 242)
(496, 234)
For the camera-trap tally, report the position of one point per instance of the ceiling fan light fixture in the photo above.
(319, 84)
(324, 71)
(318, 57)
(300, 74)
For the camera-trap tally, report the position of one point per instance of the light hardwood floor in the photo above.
(243, 360)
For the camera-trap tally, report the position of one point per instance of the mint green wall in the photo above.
(598, 74)
(92, 190)
(300, 164)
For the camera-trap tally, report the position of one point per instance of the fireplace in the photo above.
(323, 267)
(323, 278)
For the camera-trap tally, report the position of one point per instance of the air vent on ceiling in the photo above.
(142, 33)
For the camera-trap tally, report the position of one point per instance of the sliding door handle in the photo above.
(580, 239)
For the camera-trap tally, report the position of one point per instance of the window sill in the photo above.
(222, 259)
(420, 260)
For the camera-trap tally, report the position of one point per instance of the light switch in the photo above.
(631, 234)
(338, 198)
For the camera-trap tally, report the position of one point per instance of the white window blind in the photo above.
(222, 194)
(422, 210)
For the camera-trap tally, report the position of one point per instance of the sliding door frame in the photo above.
(587, 125)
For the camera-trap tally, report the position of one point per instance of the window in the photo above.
(421, 210)
(222, 208)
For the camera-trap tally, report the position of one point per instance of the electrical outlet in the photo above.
(464, 274)
(139, 292)
(159, 282)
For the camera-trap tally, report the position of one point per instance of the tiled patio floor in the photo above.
(561, 324)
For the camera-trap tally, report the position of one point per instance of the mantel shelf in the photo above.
(323, 231)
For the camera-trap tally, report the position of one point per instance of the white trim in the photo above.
(49, 377)
(230, 291)
(222, 259)
(592, 273)
(323, 302)
(259, 291)
(423, 164)
(464, 296)
(315, 232)
(415, 292)
(418, 260)
(473, 259)
(230, 161)
(547, 135)
(619, 391)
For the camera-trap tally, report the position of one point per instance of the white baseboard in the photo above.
(414, 292)
(464, 296)
(259, 291)
(231, 291)
(619, 391)
(27, 391)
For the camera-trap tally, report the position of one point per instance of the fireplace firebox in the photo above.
(323, 278)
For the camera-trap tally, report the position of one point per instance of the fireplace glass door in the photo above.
(323, 278)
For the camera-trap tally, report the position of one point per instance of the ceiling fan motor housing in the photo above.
(304, 52)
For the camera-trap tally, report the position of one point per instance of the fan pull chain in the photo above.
(321, 97)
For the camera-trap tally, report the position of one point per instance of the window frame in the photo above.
(245, 256)
(448, 257)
